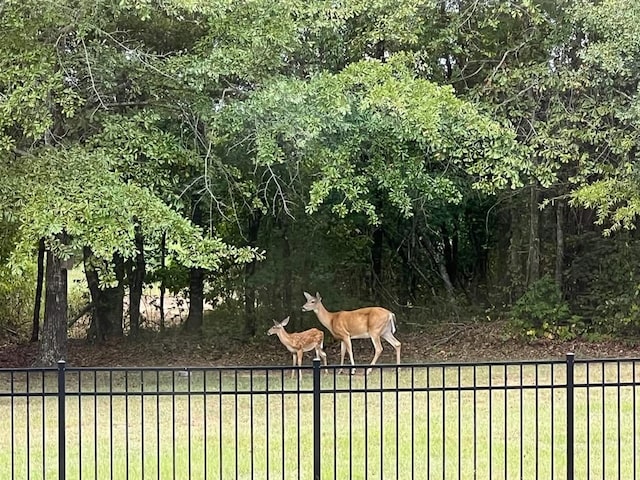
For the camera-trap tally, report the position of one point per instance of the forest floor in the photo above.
(449, 342)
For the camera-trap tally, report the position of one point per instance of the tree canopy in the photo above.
(398, 152)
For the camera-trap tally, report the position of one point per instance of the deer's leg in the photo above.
(377, 345)
(323, 354)
(349, 347)
(300, 363)
(320, 354)
(293, 370)
(395, 343)
(343, 349)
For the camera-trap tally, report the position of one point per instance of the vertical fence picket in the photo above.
(633, 409)
(444, 423)
(28, 427)
(205, 414)
(350, 429)
(317, 434)
(618, 418)
(475, 422)
(220, 431)
(537, 424)
(62, 441)
(158, 423)
(570, 416)
(490, 425)
(506, 424)
(126, 425)
(43, 389)
(173, 423)
(381, 433)
(604, 425)
(335, 424)
(366, 430)
(521, 412)
(588, 424)
(95, 425)
(553, 398)
(188, 374)
(266, 432)
(428, 409)
(142, 442)
(413, 432)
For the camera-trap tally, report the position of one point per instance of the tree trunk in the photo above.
(113, 300)
(53, 346)
(533, 260)
(196, 283)
(35, 330)
(196, 300)
(108, 302)
(407, 292)
(444, 274)
(438, 259)
(163, 255)
(136, 282)
(96, 331)
(516, 275)
(478, 243)
(451, 254)
(560, 244)
(249, 270)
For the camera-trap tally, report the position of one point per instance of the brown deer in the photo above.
(368, 322)
(300, 342)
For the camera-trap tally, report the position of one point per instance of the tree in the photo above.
(72, 78)
(372, 132)
(606, 115)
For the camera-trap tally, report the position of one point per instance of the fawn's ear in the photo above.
(284, 322)
(276, 323)
(318, 297)
(308, 296)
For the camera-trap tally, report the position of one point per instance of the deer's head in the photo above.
(312, 302)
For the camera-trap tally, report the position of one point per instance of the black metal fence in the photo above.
(560, 419)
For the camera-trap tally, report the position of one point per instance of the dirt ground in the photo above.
(447, 342)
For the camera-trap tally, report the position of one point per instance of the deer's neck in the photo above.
(325, 317)
(284, 336)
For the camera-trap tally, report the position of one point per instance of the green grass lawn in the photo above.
(505, 433)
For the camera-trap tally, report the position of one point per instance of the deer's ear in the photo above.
(276, 323)
(284, 322)
(308, 296)
(318, 297)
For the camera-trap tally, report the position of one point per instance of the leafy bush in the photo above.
(541, 312)
(603, 282)
(16, 301)
(620, 314)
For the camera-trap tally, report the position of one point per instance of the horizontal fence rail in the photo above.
(565, 419)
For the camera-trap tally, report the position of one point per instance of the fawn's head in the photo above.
(277, 326)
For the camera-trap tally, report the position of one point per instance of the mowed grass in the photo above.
(213, 428)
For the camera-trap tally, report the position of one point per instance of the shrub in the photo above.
(16, 300)
(542, 312)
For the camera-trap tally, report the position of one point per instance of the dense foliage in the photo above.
(432, 156)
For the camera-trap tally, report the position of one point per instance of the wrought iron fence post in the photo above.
(570, 415)
(316, 419)
(62, 443)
